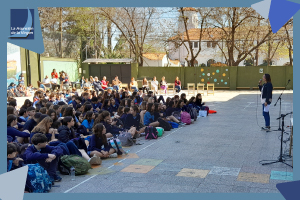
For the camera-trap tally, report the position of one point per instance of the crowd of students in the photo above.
(65, 123)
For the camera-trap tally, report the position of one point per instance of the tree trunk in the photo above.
(109, 36)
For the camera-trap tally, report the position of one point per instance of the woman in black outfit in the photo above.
(266, 99)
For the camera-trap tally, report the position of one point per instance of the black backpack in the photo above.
(151, 132)
(164, 124)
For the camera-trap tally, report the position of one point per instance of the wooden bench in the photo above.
(210, 85)
(191, 88)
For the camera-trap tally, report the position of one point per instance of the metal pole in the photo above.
(136, 48)
(61, 51)
(95, 36)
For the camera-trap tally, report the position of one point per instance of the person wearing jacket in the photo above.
(46, 156)
(67, 135)
(13, 132)
(266, 99)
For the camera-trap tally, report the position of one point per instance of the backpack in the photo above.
(82, 130)
(174, 124)
(38, 180)
(126, 139)
(186, 118)
(164, 124)
(80, 164)
(151, 133)
(177, 115)
(193, 112)
(160, 131)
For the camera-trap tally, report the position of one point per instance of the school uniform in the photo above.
(67, 136)
(114, 108)
(148, 118)
(112, 129)
(132, 121)
(32, 156)
(87, 124)
(96, 144)
(11, 131)
(123, 117)
(169, 111)
(97, 105)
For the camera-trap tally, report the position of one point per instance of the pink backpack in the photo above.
(186, 118)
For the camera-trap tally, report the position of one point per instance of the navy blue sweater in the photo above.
(29, 125)
(11, 131)
(114, 108)
(32, 155)
(96, 144)
(132, 121)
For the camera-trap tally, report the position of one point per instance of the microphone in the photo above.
(289, 80)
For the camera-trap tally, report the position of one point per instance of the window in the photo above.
(196, 45)
(208, 44)
(214, 44)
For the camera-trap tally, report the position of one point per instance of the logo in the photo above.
(22, 23)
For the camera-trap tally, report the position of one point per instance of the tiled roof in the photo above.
(175, 62)
(154, 56)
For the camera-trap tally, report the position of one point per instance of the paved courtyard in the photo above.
(216, 154)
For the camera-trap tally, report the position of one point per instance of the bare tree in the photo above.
(238, 29)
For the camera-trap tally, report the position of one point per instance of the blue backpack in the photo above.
(38, 179)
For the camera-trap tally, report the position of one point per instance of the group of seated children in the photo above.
(56, 124)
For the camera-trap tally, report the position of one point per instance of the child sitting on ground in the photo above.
(46, 156)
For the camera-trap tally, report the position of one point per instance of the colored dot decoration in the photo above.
(217, 71)
(203, 74)
(208, 82)
(225, 83)
(208, 74)
(222, 80)
(202, 70)
(226, 70)
(213, 73)
(215, 80)
(202, 80)
(224, 74)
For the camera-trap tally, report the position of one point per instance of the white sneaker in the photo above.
(114, 155)
(95, 160)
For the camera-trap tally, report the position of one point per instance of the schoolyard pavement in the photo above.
(216, 154)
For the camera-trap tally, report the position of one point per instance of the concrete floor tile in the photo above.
(250, 177)
(196, 173)
(138, 169)
(225, 171)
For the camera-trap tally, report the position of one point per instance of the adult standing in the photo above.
(266, 99)
(54, 73)
(177, 84)
(116, 83)
(97, 85)
(163, 84)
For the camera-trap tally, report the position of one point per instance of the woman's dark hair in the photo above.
(156, 107)
(191, 100)
(10, 119)
(12, 102)
(120, 110)
(268, 78)
(171, 104)
(138, 99)
(178, 103)
(135, 108)
(42, 117)
(77, 114)
(66, 120)
(43, 110)
(50, 111)
(78, 106)
(94, 99)
(183, 96)
(68, 112)
(105, 104)
(87, 107)
(26, 102)
(129, 103)
(168, 100)
(124, 95)
(126, 110)
(48, 105)
(63, 109)
(98, 129)
(101, 117)
(56, 124)
(123, 102)
(117, 96)
(10, 110)
(88, 116)
(149, 109)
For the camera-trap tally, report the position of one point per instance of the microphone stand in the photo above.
(280, 159)
(279, 99)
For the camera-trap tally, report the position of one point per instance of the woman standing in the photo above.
(54, 73)
(266, 99)
(177, 84)
(163, 84)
